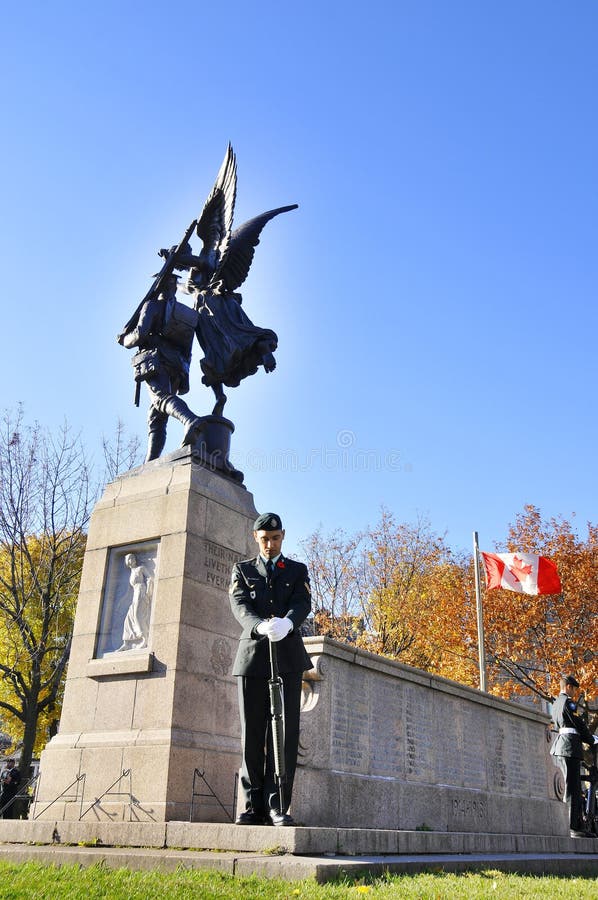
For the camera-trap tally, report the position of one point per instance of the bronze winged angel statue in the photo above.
(162, 328)
(233, 346)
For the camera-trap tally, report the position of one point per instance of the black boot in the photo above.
(155, 445)
(178, 409)
(192, 429)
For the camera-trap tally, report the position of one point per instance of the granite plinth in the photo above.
(137, 724)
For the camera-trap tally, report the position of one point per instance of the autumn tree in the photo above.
(46, 492)
(336, 565)
(45, 500)
(399, 591)
(531, 640)
(418, 607)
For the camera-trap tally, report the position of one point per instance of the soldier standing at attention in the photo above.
(567, 749)
(270, 598)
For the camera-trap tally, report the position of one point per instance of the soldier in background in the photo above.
(568, 751)
(11, 779)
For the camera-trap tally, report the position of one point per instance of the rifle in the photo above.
(164, 272)
(275, 689)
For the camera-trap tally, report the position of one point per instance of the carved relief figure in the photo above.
(137, 620)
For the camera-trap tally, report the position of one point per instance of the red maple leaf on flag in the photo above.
(519, 569)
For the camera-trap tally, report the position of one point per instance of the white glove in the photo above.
(263, 627)
(279, 628)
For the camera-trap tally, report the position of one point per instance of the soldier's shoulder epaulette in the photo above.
(297, 566)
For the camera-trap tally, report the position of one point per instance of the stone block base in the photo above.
(137, 725)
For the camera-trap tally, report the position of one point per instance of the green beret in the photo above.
(267, 522)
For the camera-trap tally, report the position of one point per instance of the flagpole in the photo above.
(480, 612)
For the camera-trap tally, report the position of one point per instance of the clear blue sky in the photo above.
(435, 293)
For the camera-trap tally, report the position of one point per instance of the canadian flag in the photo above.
(522, 572)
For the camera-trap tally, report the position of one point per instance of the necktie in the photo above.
(269, 568)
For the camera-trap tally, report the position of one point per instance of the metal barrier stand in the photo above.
(199, 774)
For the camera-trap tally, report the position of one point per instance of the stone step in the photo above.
(297, 841)
(296, 868)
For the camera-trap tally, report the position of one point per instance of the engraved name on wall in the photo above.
(350, 722)
(366, 725)
(389, 728)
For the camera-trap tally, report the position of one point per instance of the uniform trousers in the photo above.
(571, 771)
(259, 791)
(6, 797)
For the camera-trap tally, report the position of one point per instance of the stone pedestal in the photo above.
(168, 706)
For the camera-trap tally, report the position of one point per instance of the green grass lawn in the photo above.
(40, 881)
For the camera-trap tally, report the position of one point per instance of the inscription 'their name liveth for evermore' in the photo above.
(217, 564)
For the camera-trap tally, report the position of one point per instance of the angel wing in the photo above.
(236, 261)
(216, 221)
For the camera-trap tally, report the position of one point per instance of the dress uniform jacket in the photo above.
(564, 716)
(253, 600)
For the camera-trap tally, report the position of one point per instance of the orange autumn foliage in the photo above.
(400, 591)
(397, 590)
(534, 639)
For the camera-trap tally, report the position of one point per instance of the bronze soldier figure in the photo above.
(162, 328)
(163, 335)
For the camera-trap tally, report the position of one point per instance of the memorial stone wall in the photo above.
(387, 746)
